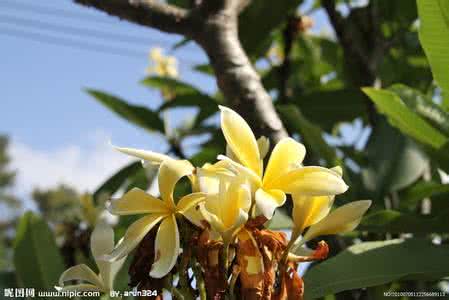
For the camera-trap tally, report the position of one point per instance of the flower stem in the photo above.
(234, 276)
(225, 258)
(200, 284)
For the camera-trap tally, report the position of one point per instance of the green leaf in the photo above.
(138, 115)
(205, 69)
(434, 36)
(375, 263)
(259, 19)
(36, 257)
(206, 104)
(396, 222)
(7, 280)
(424, 189)
(441, 156)
(280, 221)
(186, 95)
(312, 134)
(423, 106)
(205, 155)
(179, 87)
(394, 161)
(116, 181)
(142, 179)
(400, 116)
(328, 108)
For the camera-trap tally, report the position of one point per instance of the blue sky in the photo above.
(58, 133)
(44, 109)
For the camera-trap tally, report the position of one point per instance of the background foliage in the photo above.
(383, 78)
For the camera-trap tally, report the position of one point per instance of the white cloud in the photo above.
(84, 168)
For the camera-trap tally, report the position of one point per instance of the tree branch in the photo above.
(151, 13)
(236, 77)
(213, 24)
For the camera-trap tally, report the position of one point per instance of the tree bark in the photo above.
(213, 24)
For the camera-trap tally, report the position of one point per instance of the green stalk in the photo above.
(200, 284)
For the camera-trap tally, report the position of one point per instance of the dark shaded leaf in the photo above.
(205, 69)
(328, 108)
(138, 115)
(116, 181)
(37, 259)
(394, 161)
(374, 263)
(259, 19)
(205, 155)
(396, 222)
(411, 197)
(207, 105)
(312, 134)
(179, 87)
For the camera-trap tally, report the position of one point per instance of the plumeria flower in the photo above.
(309, 210)
(164, 211)
(166, 66)
(316, 215)
(209, 184)
(284, 172)
(227, 210)
(101, 243)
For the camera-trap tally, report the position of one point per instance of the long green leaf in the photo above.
(206, 104)
(375, 263)
(425, 189)
(328, 108)
(400, 116)
(171, 84)
(138, 115)
(36, 257)
(423, 106)
(434, 36)
(116, 181)
(397, 222)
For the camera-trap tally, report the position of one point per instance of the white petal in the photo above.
(135, 233)
(170, 172)
(341, 220)
(150, 156)
(240, 139)
(310, 210)
(136, 201)
(268, 200)
(80, 272)
(166, 247)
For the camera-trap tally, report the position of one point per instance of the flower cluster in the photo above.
(230, 202)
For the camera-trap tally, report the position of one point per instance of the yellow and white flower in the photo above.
(164, 211)
(227, 210)
(316, 216)
(284, 172)
(101, 243)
